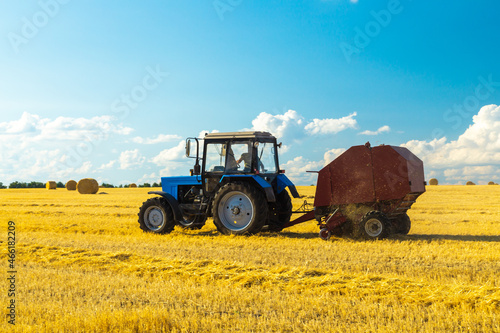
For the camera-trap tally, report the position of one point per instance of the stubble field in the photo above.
(83, 265)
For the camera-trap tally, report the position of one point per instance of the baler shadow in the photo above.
(285, 234)
(462, 238)
(263, 234)
(314, 235)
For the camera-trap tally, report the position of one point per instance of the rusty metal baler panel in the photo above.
(396, 172)
(347, 179)
(364, 175)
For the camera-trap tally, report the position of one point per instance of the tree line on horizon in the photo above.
(34, 184)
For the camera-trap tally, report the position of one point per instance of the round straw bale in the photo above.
(433, 181)
(87, 186)
(71, 185)
(51, 185)
(133, 185)
(492, 183)
(469, 183)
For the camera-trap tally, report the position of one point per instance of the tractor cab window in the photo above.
(266, 157)
(215, 157)
(239, 157)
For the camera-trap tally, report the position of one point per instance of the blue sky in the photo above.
(109, 89)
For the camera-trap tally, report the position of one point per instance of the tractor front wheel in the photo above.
(373, 225)
(156, 216)
(239, 208)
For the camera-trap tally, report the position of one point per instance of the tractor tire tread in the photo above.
(169, 215)
(280, 212)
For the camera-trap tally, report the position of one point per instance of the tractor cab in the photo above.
(235, 154)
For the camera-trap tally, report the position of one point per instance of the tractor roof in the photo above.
(239, 135)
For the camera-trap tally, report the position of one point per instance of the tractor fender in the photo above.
(268, 189)
(172, 202)
(284, 182)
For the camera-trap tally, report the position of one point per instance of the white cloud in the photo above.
(28, 123)
(131, 159)
(174, 161)
(478, 174)
(31, 128)
(176, 153)
(332, 154)
(85, 170)
(332, 126)
(202, 134)
(475, 155)
(296, 169)
(37, 148)
(383, 129)
(151, 178)
(107, 166)
(281, 125)
(479, 144)
(161, 138)
(291, 125)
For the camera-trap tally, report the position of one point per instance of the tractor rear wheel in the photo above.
(239, 208)
(373, 225)
(156, 216)
(280, 212)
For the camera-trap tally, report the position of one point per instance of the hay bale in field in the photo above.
(51, 185)
(71, 185)
(433, 181)
(492, 183)
(87, 186)
(133, 185)
(469, 183)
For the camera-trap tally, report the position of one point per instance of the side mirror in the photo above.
(188, 147)
(197, 168)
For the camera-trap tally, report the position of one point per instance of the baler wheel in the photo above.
(402, 224)
(325, 234)
(156, 216)
(280, 212)
(374, 225)
(239, 208)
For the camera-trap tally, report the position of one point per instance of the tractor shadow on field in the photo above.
(438, 237)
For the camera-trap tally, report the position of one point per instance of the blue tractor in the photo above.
(239, 184)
